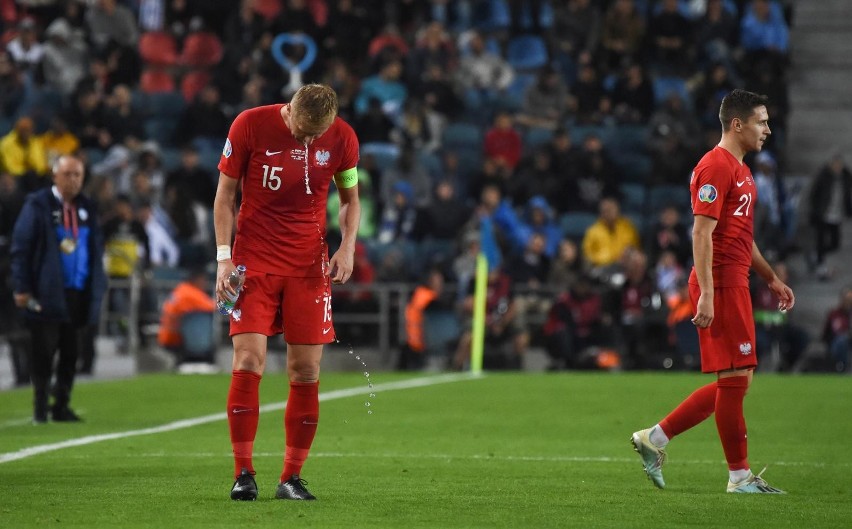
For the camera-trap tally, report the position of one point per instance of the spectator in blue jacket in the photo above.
(58, 280)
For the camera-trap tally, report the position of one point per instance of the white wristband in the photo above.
(223, 252)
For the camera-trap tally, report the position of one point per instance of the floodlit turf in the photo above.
(505, 450)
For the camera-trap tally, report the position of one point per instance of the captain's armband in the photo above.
(346, 179)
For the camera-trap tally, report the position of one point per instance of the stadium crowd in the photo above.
(555, 136)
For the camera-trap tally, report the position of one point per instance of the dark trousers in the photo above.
(827, 239)
(48, 337)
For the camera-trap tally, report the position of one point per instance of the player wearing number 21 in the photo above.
(283, 158)
(723, 197)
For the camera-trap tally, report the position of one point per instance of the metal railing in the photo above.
(138, 323)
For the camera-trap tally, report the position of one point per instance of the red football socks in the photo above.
(243, 409)
(692, 411)
(300, 425)
(730, 421)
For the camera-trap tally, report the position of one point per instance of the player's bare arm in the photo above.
(786, 298)
(702, 254)
(343, 260)
(223, 224)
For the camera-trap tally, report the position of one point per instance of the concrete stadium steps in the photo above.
(820, 79)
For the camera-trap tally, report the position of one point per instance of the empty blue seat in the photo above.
(527, 52)
(629, 138)
(162, 130)
(663, 86)
(196, 330)
(170, 158)
(514, 95)
(634, 167)
(441, 330)
(165, 104)
(574, 225)
(580, 132)
(662, 196)
(385, 154)
(632, 197)
(462, 135)
(536, 136)
(432, 163)
(492, 15)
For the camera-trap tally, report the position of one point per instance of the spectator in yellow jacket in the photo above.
(22, 153)
(606, 240)
(58, 140)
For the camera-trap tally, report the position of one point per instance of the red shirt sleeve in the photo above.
(236, 152)
(709, 186)
(350, 148)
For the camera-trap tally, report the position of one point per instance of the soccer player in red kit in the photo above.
(283, 158)
(723, 198)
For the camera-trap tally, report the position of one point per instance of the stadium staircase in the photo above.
(821, 76)
(820, 126)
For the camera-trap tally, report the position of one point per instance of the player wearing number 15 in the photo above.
(723, 197)
(283, 157)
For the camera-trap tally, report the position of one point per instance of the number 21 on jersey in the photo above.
(745, 205)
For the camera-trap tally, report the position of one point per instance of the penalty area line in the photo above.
(420, 382)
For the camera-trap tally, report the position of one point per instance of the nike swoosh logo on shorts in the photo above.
(326, 331)
(269, 153)
(740, 184)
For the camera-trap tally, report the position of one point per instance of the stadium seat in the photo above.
(634, 167)
(158, 48)
(441, 329)
(574, 225)
(201, 50)
(161, 130)
(434, 251)
(432, 163)
(633, 198)
(192, 83)
(384, 154)
(170, 158)
(155, 80)
(545, 16)
(164, 104)
(196, 329)
(514, 96)
(268, 9)
(663, 86)
(662, 196)
(492, 15)
(526, 52)
(460, 135)
(580, 132)
(406, 251)
(536, 136)
(686, 342)
(629, 138)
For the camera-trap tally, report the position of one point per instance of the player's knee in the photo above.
(304, 371)
(247, 359)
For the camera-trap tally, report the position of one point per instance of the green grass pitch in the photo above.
(503, 450)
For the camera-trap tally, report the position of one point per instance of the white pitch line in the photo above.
(464, 457)
(205, 419)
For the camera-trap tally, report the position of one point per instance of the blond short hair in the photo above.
(315, 107)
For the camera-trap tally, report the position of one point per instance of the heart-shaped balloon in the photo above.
(295, 39)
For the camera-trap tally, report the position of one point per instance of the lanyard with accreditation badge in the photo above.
(69, 217)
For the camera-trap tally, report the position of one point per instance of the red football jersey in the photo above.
(721, 187)
(281, 223)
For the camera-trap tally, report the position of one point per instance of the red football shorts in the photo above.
(729, 342)
(300, 307)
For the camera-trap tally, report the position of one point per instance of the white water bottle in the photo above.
(236, 280)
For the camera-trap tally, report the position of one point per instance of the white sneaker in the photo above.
(754, 485)
(652, 456)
